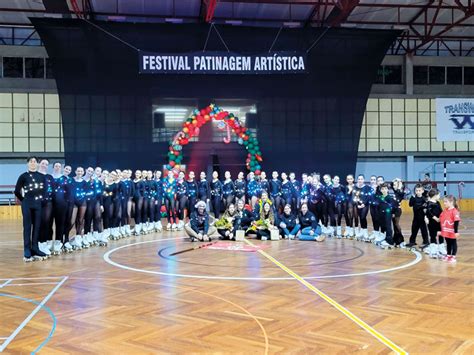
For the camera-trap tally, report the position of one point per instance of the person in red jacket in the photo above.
(449, 220)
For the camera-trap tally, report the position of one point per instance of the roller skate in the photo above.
(365, 235)
(57, 247)
(85, 243)
(339, 232)
(106, 233)
(424, 248)
(160, 227)
(137, 229)
(320, 238)
(27, 258)
(451, 259)
(38, 255)
(372, 237)
(67, 247)
(410, 246)
(433, 251)
(174, 227)
(291, 237)
(379, 239)
(43, 247)
(102, 240)
(49, 245)
(442, 249)
(76, 243)
(180, 225)
(128, 231)
(384, 245)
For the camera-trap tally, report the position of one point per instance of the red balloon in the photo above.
(246, 138)
(176, 153)
(184, 141)
(172, 163)
(203, 112)
(257, 172)
(208, 110)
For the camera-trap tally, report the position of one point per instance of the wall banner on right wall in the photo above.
(455, 119)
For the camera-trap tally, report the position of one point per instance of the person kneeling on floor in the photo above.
(310, 230)
(199, 226)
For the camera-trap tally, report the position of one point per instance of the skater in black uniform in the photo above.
(29, 189)
(275, 191)
(240, 187)
(228, 190)
(216, 194)
(418, 203)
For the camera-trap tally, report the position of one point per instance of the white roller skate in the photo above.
(137, 229)
(85, 243)
(57, 247)
(94, 238)
(102, 240)
(433, 251)
(160, 226)
(76, 243)
(106, 233)
(168, 227)
(365, 235)
(68, 247)
(174, 227)
(442, 249)
(43, 247)
(373, 236)
(180, 225)
(384, 245)
(379, 239)
(28, 260)
(128, 231)
(339, 232)
(49, 245)
(357, 233)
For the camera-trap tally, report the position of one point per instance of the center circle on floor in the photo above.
(170, 269)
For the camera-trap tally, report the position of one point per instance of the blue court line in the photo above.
(46, 308)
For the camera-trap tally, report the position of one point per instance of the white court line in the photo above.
(32, 284)
(6, 283)
(107, 259)
(32, 314)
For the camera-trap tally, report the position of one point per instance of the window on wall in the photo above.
(420, 75)
(468, 75)
(454, 75)
(389, 74)
(34, 68)
(437, 75)
(12, 67)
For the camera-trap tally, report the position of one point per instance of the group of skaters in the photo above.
(100, 205)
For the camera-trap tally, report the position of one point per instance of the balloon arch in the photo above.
(228, 122)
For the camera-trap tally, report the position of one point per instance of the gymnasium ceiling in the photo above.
(434, 27)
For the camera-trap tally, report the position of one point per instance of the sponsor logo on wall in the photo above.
(455, 119)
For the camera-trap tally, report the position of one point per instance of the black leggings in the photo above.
(228, 200)
(350, 215)
(108, 212)
(320, 209)
(78, 216)
(126, 210)
(117, 212)
(339, 211)
(149, 210)
(375, 220)
(216, 205)
(419, 224)
(191, 202)
(90, 210)
(362, 214)
(181, 204)
(68, 222)
(157, 209)
(138, 209)
(331, 213)
(384, 220)
(433, 229)
(277, 202)
(46, 228)
(397, 230)
(31, 211)
(170, 205)
(60, 209)
(451, 246)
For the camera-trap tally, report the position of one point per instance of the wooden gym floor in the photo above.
(132, 297)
